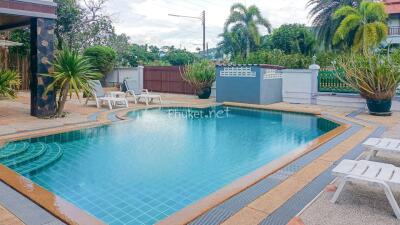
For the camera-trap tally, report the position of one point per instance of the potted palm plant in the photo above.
(201, 76)
(376, 77)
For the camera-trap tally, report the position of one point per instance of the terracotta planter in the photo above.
(379, 107)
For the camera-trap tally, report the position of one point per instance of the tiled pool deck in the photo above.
(273, 200)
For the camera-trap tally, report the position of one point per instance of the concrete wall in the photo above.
(118, 75)
(271, 86)
(248, 84)
(297, 86)
(238, 87)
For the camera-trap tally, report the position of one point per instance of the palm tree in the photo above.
(249, 18)
(367, 23)
(325, 25)
(233, 42)
(72, 74)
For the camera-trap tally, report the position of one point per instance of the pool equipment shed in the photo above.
(256, 84)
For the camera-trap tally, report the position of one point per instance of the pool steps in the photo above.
(13, 149)
(28, 158)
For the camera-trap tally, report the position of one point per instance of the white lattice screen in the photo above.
(237, 72)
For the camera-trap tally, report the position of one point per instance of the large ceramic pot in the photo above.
(204, 93)
(379, 107)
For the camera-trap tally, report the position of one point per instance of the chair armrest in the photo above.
(145, 91)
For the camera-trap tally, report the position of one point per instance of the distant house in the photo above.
(393, 9)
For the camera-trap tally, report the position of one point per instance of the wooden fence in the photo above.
(165, 79)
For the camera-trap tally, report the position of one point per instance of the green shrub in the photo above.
(276, 57)
(101, 57)
(199, 75)
(180, 57)
(9, 82)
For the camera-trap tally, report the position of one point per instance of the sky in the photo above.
(147, 21)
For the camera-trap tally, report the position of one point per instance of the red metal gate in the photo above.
(165, 79)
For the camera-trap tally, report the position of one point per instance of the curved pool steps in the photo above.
(52, 155)
(34, 151)
(13, 149)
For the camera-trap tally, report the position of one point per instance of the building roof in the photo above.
(392, 6)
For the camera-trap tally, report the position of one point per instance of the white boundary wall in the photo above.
(118, 75)
(300, 86)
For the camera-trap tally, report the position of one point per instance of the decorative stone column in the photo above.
(42, 53)
(314, 80)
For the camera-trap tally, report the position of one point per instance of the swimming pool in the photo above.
(142, 170)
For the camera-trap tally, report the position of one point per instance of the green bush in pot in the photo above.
(375, 76)
(201, 76)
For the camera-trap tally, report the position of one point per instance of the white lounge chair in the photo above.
(382, 175)
(137, 95)
(375, 145)
(101, 97)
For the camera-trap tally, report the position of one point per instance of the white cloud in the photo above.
(147, 21)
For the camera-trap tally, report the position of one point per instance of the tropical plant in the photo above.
(375, 76)
(103, 58)
(200, 75)
(248, 18)
(73, 73)
(9, 81)
(367, 22)
(293, 38)
(321, 13)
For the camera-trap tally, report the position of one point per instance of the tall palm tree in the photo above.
(249, 18)
(324, 24)
(233, 42)
(367, 22)
(72, 74)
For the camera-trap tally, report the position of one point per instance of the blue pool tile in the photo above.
(152, 167)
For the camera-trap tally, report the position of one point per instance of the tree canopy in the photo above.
(364, 25)
(243, 24)
(293, 38)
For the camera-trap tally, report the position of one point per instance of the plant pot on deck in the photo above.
(204, 93)
(379, 107)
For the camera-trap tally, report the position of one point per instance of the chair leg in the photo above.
(109, 104)
(87, 100)
(98, 103)
(160, 100)
(339, 189)
(147, 100)
(126, 104)
(392, 200)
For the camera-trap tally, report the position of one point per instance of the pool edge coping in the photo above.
(40, 195)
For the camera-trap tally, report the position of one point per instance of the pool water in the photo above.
(142, 170)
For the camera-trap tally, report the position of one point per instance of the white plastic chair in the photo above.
(375, 145)
(101, 97)
(378, 174)
(148, 98)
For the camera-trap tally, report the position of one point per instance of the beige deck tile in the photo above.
(7, 218)
(273, 199)
(246, 216)
(312, 170)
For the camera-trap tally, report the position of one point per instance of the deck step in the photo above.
(34, 151)
(53, 153)
(13, 149)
